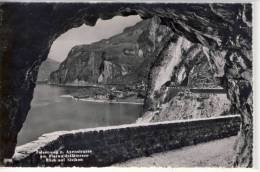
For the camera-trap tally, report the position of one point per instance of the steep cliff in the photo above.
(122, 59)
(180, 67)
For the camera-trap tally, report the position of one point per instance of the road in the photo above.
(217, 153)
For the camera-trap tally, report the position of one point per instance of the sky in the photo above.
(88, 34)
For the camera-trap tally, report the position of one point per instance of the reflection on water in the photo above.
(51, 112)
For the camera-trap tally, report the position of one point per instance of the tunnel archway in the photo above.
(78, 98)
(226, 27)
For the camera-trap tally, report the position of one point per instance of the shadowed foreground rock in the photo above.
(28, 30)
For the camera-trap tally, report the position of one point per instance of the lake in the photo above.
(50, 111)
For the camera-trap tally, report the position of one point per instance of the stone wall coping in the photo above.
(25, 150)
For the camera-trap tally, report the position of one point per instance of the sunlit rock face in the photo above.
(188, 105)
(28, 30)
(122, 59)
(181, 66)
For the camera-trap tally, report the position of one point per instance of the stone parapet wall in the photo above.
(107, 145)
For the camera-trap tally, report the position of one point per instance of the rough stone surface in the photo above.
(120, 143)
(188, 105)
(28, 30)
(181, 66)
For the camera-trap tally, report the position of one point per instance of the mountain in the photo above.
(123, 59)
(46, 68)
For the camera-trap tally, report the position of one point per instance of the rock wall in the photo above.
(109, 145)
(180, 66)
(185, 104)
(28, 30)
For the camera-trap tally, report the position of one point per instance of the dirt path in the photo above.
(218, 153)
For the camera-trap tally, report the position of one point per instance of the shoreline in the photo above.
(101, 100)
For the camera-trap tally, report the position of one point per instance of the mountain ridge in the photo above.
(114, 60)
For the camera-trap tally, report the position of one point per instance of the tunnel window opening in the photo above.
(90, 79)
(99, 77)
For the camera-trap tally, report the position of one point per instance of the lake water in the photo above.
(50, 112)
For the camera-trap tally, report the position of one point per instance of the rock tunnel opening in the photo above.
(215, 28)
(87, 68)
(92, 92)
